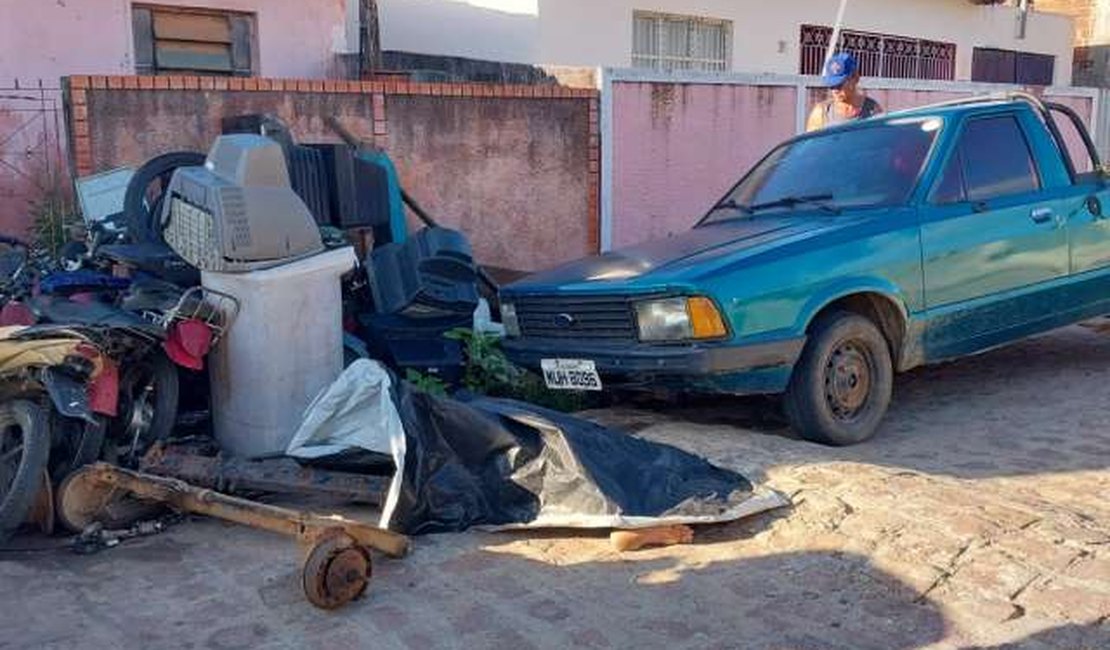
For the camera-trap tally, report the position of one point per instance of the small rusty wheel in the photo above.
(84, 499)
(336, 571)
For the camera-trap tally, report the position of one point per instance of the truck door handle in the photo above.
(1041, 215)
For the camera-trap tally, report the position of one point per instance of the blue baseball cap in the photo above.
(839, 69)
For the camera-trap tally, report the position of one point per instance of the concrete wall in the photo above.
(679, 147)
(514, 167)
(510, 174)
(673, 147)
(492, 30)
(49, 39)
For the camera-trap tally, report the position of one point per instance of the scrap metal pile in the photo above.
(193, 345)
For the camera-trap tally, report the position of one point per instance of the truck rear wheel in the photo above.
(841, 386)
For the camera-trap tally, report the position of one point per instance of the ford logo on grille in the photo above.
(564, 321)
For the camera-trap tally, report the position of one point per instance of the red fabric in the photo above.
(104, 389)
(16, 313)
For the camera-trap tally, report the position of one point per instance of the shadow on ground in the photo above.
(1038, 406)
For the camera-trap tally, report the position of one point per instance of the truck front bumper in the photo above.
(753, 368)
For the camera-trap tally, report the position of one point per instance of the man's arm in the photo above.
(816, 119)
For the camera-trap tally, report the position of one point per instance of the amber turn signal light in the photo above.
(705, 319)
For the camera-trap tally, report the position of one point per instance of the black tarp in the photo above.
(506, 464)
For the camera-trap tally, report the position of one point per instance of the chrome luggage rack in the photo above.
(216, 309)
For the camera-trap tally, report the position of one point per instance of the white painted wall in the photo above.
(765, 38)
(494, 30)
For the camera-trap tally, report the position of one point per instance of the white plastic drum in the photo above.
(283, 349)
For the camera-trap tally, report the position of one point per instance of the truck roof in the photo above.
(946, 110)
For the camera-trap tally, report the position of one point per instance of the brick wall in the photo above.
(515, 167)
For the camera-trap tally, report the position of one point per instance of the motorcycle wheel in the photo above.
(143, 200)
(24, 452)
(79, 444)
(148, 410)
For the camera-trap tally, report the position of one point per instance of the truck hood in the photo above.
(731, 238)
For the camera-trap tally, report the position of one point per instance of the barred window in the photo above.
(881, 55)
(673, 42)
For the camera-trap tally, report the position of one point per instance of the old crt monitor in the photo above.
(238, 212)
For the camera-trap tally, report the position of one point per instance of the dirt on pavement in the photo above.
(978, 518)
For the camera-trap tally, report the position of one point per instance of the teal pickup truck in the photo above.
(842, 257)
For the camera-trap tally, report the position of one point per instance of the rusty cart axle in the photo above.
(337, 567)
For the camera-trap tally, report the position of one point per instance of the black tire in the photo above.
(157, 372)
(141, 208)
(81, 443)
(25, 435)
(841, 386)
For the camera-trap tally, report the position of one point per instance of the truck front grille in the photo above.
(594, 318)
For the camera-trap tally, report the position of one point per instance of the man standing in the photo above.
(845, 102)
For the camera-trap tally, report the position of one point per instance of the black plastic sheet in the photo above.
(501, 463)
(505, 464)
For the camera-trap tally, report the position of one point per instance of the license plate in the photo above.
(570, 374)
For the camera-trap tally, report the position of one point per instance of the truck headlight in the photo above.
(679, 319)
(508, 319)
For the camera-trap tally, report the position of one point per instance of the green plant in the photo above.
(489, 372)
(426, 383)
(52, 218)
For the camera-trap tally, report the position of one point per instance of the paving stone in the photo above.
(979, 517)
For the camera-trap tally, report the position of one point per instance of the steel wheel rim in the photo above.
(139, 412)
(849, 379)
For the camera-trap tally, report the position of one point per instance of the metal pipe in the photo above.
(831, 49)
(188, 498)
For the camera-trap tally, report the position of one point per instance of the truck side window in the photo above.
(996, 157)
(950, 187)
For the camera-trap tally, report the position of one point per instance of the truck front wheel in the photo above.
(841, 385)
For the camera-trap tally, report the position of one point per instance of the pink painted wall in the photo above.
(678, 147)
(32, 158)
(49, 39)
(512, 171)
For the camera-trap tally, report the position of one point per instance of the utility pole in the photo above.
(835, 38)
(369, 36)
(1023, 17)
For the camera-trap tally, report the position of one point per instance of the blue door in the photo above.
(993, 238)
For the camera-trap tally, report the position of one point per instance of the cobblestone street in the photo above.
(979, 517)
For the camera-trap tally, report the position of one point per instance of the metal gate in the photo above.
(34, 190)
(880, 55)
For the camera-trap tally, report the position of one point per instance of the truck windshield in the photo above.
(863, 167)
